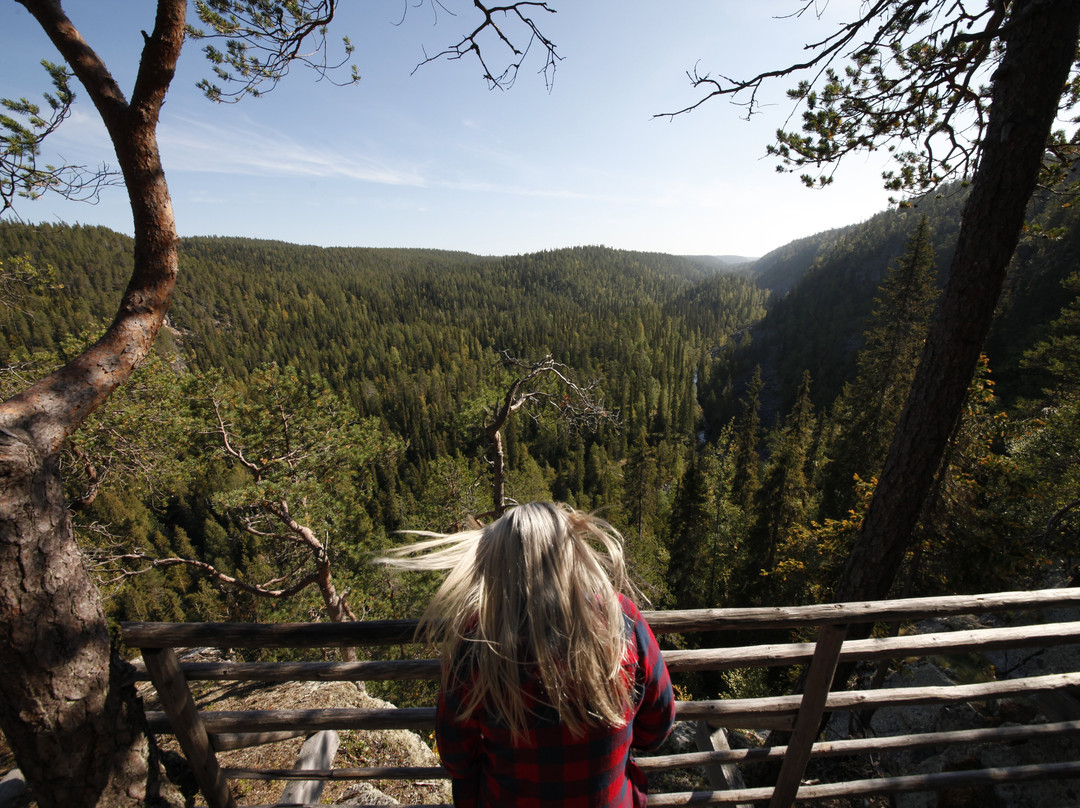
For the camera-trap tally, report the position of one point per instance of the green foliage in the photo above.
(786, 498)
(353, 386)
(964, 519)
(746, 477)
(297, 440)
(140, 438)
(1058, 355)
(262, 41)
(745, 683)
(19, 278)
(866, 412)
(642, 501)
(23, 128)
(908, 77)
(811, 556)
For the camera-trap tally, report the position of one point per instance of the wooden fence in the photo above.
(1036, 615)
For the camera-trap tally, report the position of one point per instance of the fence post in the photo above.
(807, 723)
(722, 776)
(317, 753)
(176, 700)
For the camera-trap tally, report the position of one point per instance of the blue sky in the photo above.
(433, 158)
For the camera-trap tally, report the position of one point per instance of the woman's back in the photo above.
(550, 675)
(553, 765)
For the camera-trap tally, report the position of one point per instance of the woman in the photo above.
(550, 674)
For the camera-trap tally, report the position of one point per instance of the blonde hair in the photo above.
(530, 589)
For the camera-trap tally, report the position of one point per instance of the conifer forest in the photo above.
(304, 405)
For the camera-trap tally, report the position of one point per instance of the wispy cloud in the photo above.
(189, 144)
(82, 139)
(253, 149)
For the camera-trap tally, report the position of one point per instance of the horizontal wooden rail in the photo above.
(851, 788)
(268, 635)
(240, 728)
(860, 746)
(227, 741)
(880, 785)
(751, 656)
(395, 632)
(730, 712)
(659, 763)
(376, 671)
(340, 718)
(1041, 635)
(773, 712)
(758, 618)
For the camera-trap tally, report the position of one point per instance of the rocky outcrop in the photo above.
(358, 748)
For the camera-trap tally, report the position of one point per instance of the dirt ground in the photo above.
(358, 748)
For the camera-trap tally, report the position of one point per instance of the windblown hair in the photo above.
(538, 588)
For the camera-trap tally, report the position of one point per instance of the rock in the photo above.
(683, 738)
(909, 720)
(366, 794)
(12, 789)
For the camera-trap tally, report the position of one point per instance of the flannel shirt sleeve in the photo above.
(459, 748)
(656, 709)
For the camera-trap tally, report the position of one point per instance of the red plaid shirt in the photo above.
(551, 767)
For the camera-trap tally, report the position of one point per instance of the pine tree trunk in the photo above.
(77, 728)
(1040, 48)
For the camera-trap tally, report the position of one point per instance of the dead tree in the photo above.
(542, 385)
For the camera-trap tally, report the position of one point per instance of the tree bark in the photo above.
(76, 728)
(1040, 47)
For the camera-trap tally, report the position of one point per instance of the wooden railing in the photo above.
(201, 734)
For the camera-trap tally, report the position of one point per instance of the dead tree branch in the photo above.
(576, 403)
(519, 14)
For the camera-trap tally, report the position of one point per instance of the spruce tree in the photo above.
(645, 556)
(785, 496)
(867, 410)
(745, 481)
(690, 539)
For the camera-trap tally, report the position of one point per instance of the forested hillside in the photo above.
(817, 386)
(305, 403)
(409, 344)
(823, 288)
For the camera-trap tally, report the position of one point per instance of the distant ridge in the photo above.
(725, 263)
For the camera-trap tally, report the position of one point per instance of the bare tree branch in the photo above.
(1060, 522)
(226, 443)
(209, 570)
(520, 14)
(574, 402)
